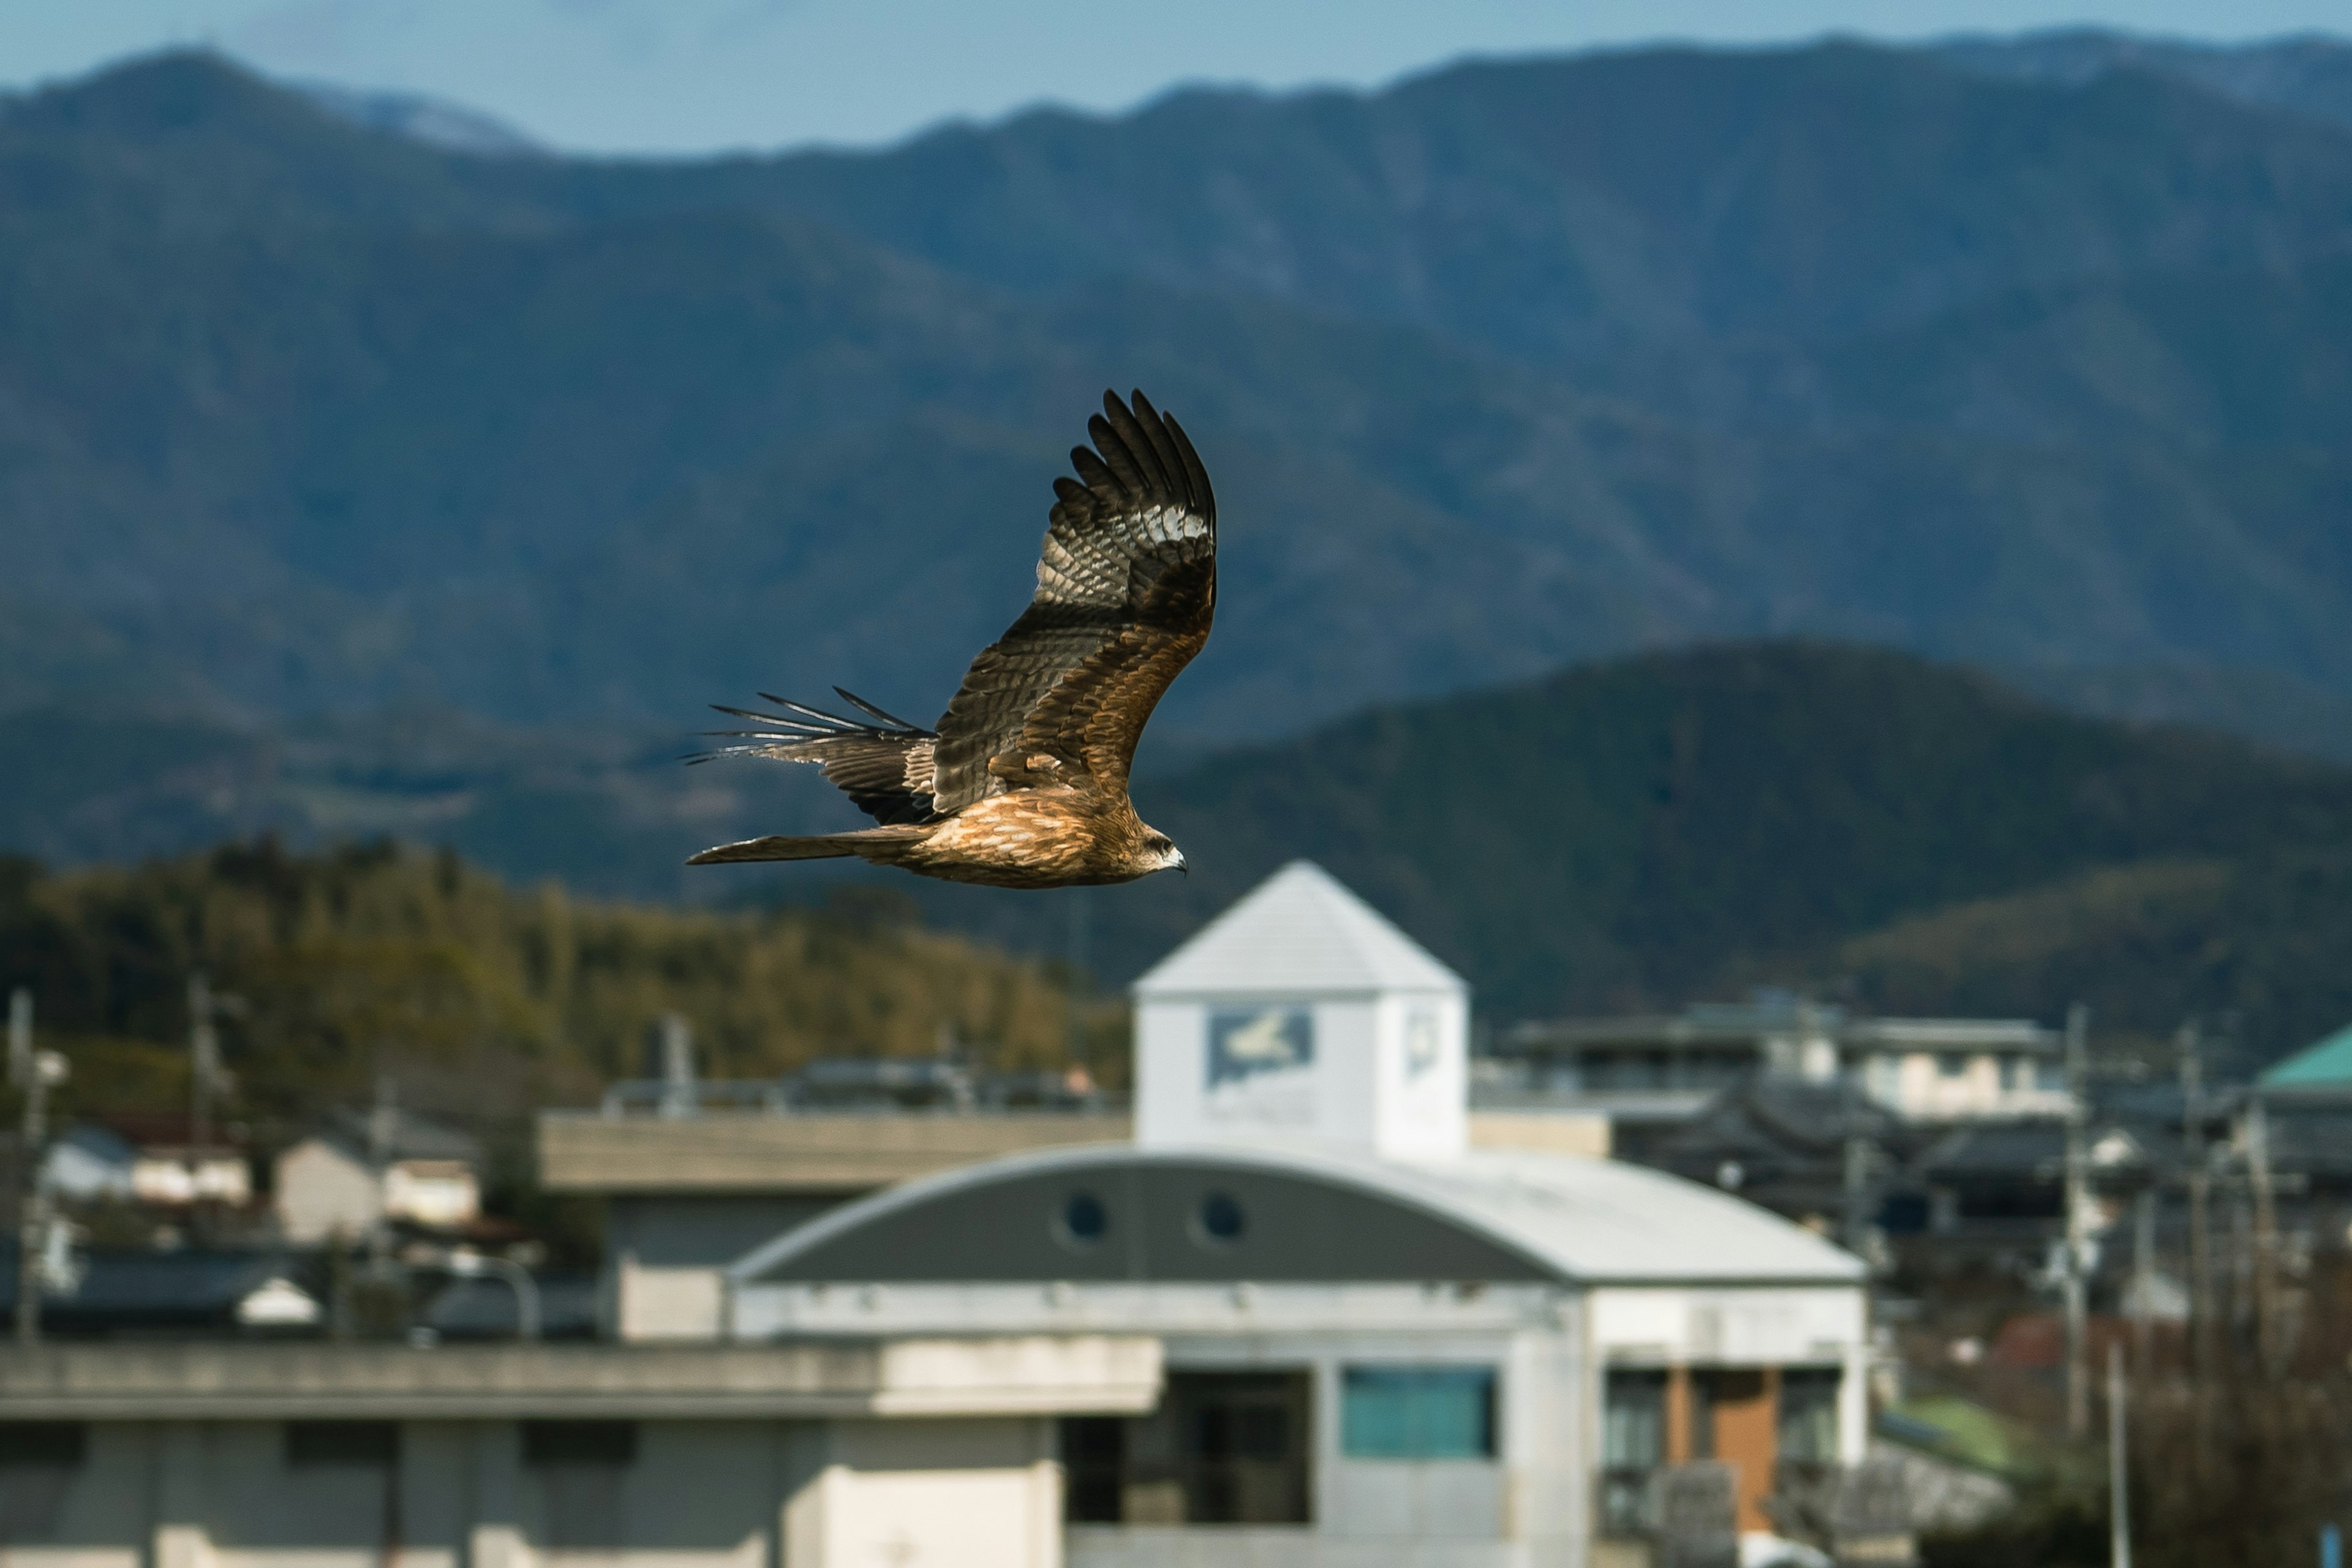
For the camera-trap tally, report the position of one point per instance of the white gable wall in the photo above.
(1300, 1018)
(1385, 1075)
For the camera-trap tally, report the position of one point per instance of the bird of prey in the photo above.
(1023, 782)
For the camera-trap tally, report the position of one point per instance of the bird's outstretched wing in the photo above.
(884, 766)
(1126, 589)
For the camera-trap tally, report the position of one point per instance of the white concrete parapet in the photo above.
(1020, 1374)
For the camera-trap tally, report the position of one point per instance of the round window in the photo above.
(1085, 1221)
(1221, 1217)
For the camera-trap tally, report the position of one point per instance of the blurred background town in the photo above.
(1782, 629)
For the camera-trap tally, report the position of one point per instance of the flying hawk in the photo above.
(1023, 783)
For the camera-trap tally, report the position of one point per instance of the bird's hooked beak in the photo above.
(1181, 866)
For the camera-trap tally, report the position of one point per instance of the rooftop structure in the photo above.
(695, 1171)
(1301, 1016)
(2320, 1072)
(1666, 1067)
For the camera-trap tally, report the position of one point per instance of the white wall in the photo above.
(320, 1190)
(1707, 1326)
(667, 1303)
(974, 1494)
(1523, 1507)
(700, 1494)
(1389, 1075)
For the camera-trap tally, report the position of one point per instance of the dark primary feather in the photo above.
(1126, 590)
(886, 771)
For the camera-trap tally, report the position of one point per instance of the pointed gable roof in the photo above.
(2325, 1067)
(1299, 931)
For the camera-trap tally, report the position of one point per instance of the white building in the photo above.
(366, 1169)
(1380, 1343)
(90, 1163)
(1480, 1361)
(1666, 1068)
(841, 1453)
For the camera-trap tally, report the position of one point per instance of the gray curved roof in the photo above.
(1485, 1217)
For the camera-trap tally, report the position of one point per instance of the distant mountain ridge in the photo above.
(305, 427)
(419, 118)
(2310, 73)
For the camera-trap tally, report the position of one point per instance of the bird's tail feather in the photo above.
(868, 843)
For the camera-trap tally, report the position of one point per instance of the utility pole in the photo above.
(1857, 1174)
(33, 1072)
(2269, 1330)
(1081, 960)
(2078, 1239)
(2143, 1278)
(2200, 1234)
(677, 1091)
(208, 1078)
(2118, 1474)
(383, 1136)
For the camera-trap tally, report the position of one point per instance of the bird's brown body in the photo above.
(1023, 782)
(1035, 838)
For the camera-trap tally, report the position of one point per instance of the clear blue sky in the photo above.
(680, 76)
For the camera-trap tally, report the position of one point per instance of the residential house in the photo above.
(377, 1167)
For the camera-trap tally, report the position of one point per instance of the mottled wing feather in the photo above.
(1127, 587)
(884, 769)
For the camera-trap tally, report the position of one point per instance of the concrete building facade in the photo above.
(1366, 1360)
(851, 1452)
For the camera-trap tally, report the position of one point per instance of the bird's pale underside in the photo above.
(1023, 782)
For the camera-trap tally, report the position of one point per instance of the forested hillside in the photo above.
(481, 999)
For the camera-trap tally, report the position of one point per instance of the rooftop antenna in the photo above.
(383, 1119)
(33, 1073)
(2078, 1224)
(207, 1077)
(677, 1095)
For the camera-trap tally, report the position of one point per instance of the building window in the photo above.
(1951, 1064)
(1244, 1042)
(1222, 1448)
(1417, 1413)
(1633, 1446)
(340, 1444)
(580, 1444)
(1093, 1467)
(1808, 1416)
(1220, 1219)
(2049, 1076)
(1713, 1069)
(1083, 1222)
(1625, 1072)
(42, 1445)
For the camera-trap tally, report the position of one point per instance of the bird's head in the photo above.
(1160, 854)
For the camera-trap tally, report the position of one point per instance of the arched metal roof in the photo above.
(1305, 1217)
